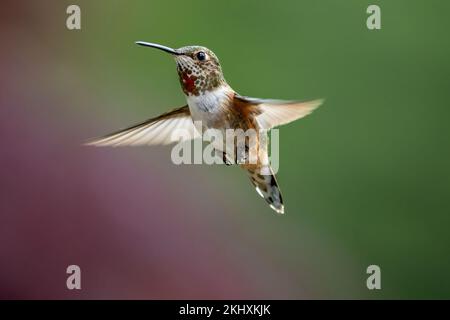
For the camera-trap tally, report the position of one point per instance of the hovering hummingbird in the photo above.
(214, 104)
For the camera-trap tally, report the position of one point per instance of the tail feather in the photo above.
(266, 185)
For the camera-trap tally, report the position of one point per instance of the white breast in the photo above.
(206, 107)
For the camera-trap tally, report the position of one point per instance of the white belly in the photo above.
(209, 113)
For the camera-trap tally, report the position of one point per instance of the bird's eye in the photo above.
(201, 56)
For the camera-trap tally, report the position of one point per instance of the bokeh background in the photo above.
(366, 178)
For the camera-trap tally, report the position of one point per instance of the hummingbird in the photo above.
(213, 103)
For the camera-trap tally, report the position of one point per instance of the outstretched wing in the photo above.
(272, 113)
(153, 131)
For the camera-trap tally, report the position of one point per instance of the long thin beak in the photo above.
(158, 46)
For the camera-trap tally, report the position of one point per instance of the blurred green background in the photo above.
(365, 179)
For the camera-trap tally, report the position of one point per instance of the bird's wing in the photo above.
(153, 131)
(272, 113)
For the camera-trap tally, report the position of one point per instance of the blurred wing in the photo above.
(272, 113)
(154, 131)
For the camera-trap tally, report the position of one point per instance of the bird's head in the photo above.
(198, 68)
